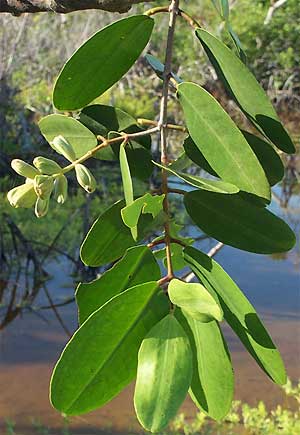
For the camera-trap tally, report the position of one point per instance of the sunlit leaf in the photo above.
(212, 382)
(79, 137)
(127, 184)
(101, 62)
(238, 222)
(164, 374)
(136, 267)
(221, 142)
(101, 357)
(195, 300)
(194, 153)
(245, 90)
(238, 312)
(145, 204)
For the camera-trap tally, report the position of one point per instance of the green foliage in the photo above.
(207, 122)
(101, 62)
(138, 320)
(246, 91)
(241, 213)
(84, 364)
(238, 312)
(164, 374)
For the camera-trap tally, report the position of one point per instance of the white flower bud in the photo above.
(22, 196)
(85, 178)
(24, 169)
(46, 166)
(61, 189)
(41, 207)
(43, 186)
(63, 147)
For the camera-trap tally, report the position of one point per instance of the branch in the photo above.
(18, 7)
(272, 9)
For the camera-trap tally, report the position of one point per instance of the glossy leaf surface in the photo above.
(80, 137)
(239, 223)
(245, 90)
(203, 183)
(164, 374)
(109, 237)
(221, 142)
(195, 300)
(267, 156)
(101, 357)
(101, 62)
(136, 267)
(212, 382)
(238, 312)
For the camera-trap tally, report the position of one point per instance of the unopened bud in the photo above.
(22, 196)
(43, 186)
(85, 178)
(63, 147)
(41, 207)
(61, 189)
(46, 166)
(24, 169)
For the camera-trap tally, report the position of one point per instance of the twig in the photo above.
(174, 6)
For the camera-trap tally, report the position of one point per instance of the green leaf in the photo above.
(239, 223)
(136, 267)
(267, 156)
(194, 153)
(182, 162)
(127, 184)
(145, 204)
(195, 300)
(221, 142)
(140, 162)
(80, 138)
(159, 67)
(164, 374)
(101, 358)
(265, 153)
(108, 238)
(178, 262)
(202, 183)
(101, 62)
(239, 313)
(212, 382)
(245, 90)
(101, 119)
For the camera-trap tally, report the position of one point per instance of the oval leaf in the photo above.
(245, 90)
(212, 382)
(108, 238)
(164, 374)
(80, 137)
(194, 153)
(91, 369)
(239, 223)
(127, 184)
(221, 142)
(101, 62)
(136, 267)
(239, 313)
(195, 300)
(203, 183)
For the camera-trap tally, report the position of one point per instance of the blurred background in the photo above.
(39, 258)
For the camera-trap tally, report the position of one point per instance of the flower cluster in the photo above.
(45, 178)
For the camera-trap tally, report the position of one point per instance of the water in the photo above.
(30, 345)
